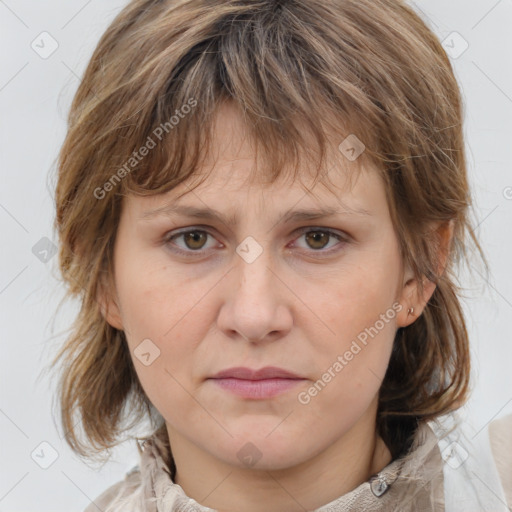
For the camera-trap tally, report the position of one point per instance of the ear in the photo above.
(107, 299)
(410, 293)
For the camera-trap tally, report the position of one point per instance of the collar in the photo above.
(409, 483)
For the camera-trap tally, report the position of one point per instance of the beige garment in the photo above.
(414, 482)
(500, 434)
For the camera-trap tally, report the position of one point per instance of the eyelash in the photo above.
(191, 253)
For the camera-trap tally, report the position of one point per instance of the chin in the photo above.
(262, 451)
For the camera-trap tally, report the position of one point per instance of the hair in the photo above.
(302, 74)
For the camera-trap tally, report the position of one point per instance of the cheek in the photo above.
(165, 318)
(357, 309)
(356, 300)
(175, 324)
(155, 299)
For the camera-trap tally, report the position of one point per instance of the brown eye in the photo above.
(317, 239)
(195, 239)
(322, 241)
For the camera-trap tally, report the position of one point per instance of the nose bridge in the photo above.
(254, 268)
(253, 305)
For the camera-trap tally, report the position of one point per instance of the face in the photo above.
(320, 298)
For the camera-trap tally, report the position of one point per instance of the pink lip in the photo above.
(256, 384)
(268, 372)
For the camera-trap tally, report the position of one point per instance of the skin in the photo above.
(291, 307)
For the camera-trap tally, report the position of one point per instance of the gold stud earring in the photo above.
(410, 311)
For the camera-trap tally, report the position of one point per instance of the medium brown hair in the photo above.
(302, 73)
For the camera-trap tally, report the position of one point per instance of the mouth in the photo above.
(256, 384)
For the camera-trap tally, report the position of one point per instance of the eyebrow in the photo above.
(230, 219)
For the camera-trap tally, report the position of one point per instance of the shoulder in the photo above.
(120, 496)
(500, 437)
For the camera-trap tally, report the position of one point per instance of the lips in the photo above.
(268, 372)
(262, 384)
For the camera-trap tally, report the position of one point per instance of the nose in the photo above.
(256, 306)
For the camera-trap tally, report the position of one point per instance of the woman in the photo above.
(262, 205)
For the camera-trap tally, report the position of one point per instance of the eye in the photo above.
(194, 240)
(318, 239)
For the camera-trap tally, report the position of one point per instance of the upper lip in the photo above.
(268, 372)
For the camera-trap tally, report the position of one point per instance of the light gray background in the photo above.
(35, 94)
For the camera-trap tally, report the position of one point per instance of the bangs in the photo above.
(165, 110)
(290, 151)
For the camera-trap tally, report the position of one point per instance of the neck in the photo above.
(344, 465)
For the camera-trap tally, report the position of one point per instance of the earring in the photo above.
(410, 311)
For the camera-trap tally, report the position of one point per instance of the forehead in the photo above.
(233, 171)
(239, 180)
(234, 159)
(230, 200)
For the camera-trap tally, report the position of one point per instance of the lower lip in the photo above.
(264, 388)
